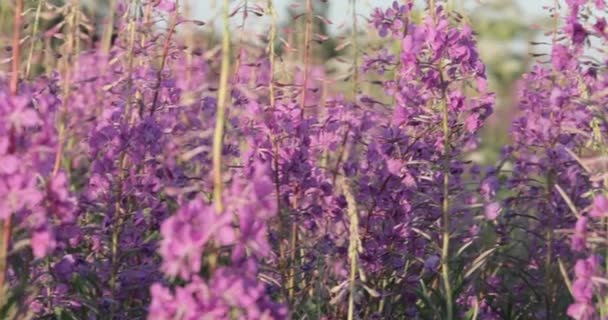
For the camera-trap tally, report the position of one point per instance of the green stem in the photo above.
(218, 134)
(355, 50)
(549, 258)
(353, 245)
(292, 258)
(106, 41)
(307, 32)
(28, 65)
(445, 208)
(273, 37)
(275, 141)
(222, 97)
(67, 69)
(118, 210)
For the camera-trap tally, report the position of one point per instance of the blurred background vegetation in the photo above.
(504, 29)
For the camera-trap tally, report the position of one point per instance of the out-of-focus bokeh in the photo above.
(505, 28)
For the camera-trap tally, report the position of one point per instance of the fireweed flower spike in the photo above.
(550, 106)
(582, 290)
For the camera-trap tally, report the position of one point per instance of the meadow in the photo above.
(152, 167)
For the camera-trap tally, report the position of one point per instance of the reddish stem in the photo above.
(16, 46)
(6, 238)
(159, 74)
(7, 225)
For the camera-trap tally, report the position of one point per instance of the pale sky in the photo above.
(340, 9)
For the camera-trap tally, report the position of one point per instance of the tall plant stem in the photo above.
(292, 257)
(28, 65)
(118, 210)
(163, 60)
(7, 227)
(354, 244)
(75, 31)
(239, 48)
(307, 35)
(445, 207)
(556, 20)
(67, 75)
(15, 63)
(604, 151)
(294, 227)
(549, 257)
(147, 17)
(275, 142)
(273, 38)
(354, 241)
(6, 239)
(220, 122)
(105, 44)
(190, 44)
(355, 43)
(106, 41)
(222, 97)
